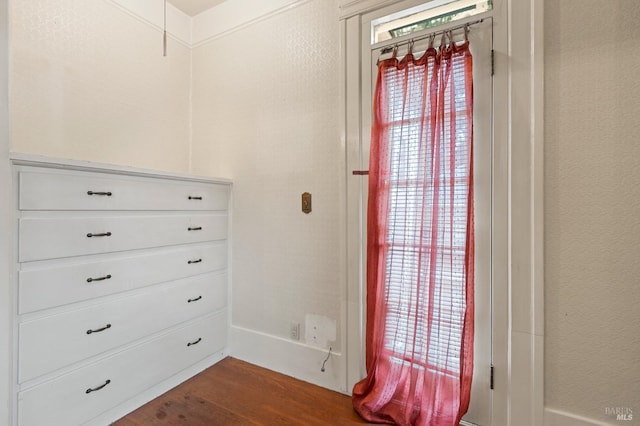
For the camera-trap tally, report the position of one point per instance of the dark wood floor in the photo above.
(233, 392)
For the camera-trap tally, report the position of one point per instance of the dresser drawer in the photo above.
(56, 283)
(65, 401)
(49, 237)
(64, 190)
(75, 335)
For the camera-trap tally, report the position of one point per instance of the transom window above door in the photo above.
(428, 15)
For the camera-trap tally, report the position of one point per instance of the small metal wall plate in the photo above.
(306, 202)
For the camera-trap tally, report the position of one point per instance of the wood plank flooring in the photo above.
(234, 392)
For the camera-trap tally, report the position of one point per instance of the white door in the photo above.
(480, 37)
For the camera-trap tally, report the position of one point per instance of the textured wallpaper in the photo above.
(592, 208)
(89, 82)
(266, 115)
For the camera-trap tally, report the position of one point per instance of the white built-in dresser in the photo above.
(120, 287)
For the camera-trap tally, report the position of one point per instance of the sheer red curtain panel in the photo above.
(420, 247)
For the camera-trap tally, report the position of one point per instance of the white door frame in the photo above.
(518, 268)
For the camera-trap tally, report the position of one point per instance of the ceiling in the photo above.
(194, 7)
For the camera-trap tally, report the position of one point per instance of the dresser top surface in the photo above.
(20, 159)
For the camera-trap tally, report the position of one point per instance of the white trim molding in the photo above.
(518, 289)
(211, 24)
(524, 60)
(349, 8)
(232, 16)
(152, 13)
(553, 417)
(294, 359)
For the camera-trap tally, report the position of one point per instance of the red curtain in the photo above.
(420, 251)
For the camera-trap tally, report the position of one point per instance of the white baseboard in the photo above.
(288, 357)
(553, 417)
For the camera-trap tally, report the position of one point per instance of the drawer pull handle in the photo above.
(102, 234)
(108, 194)
(194, 261)
(106, 277)
(99, 387)
(195, 198)
(194, 300)
(199, 228)
(194, 343)
(99, 329)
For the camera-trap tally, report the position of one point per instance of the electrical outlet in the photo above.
(294, 331)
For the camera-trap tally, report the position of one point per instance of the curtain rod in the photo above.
(389, 47)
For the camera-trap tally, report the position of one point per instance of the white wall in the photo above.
(266, 114)
(592, 208)
(89, 82)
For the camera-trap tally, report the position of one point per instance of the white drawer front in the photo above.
(75, 335)
(58, 284)
(101, 191)
(54, 237)
(64, 401)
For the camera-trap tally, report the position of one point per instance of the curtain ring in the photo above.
(395, 51)
(466, 32)
(432, 39)
(411, 42)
